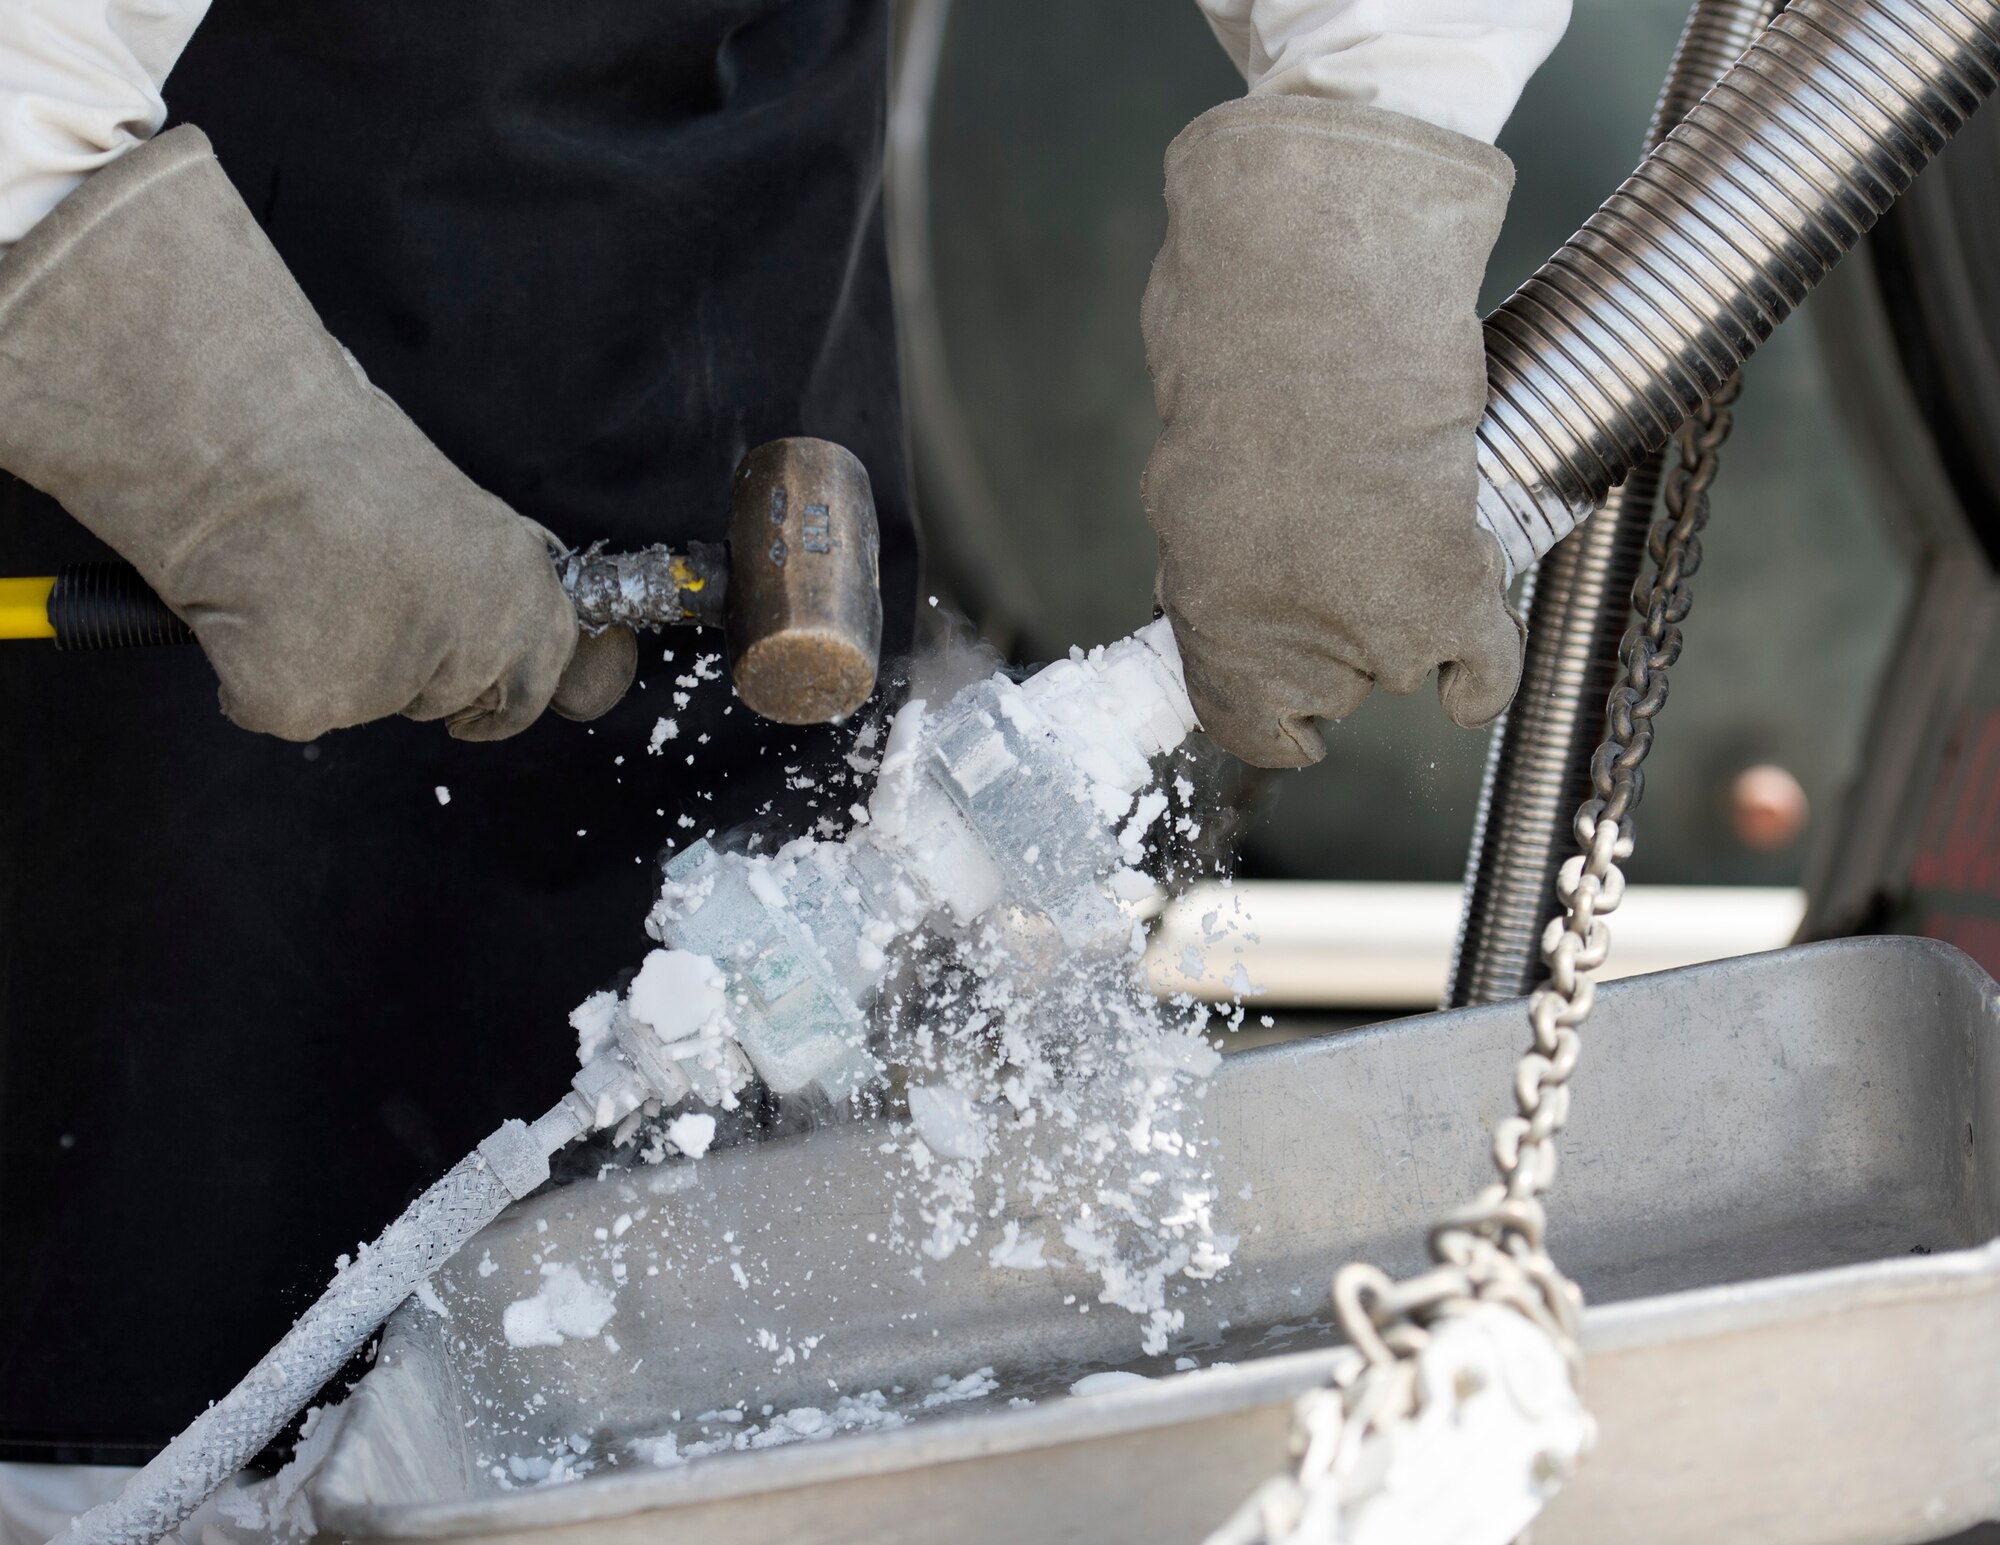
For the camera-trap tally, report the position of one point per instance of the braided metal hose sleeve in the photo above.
(1712, 242)
(225, 1437)
(1538, 766)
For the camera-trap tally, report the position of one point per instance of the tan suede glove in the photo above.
(164, 378)
(1318, 366)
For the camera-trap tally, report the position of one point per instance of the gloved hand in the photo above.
(164, 378)
(1319, 371)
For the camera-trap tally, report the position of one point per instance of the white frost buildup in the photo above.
(595, 1022)
(676, 993)
(971, 931)
(568, 1308)
(870, 1411)
(692, 1133)
(1115, 708)
(1498, 1429)
(278, 1508)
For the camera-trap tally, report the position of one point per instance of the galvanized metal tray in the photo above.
(1780, 1189)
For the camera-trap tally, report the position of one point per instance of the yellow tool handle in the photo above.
(24, 607)
(94, 605)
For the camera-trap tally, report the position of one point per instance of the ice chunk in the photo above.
(947, 1391)
(662, 1450)
(568, 1308)
(692, 1133)
(677, 993)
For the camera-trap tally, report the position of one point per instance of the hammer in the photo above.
(796, 589)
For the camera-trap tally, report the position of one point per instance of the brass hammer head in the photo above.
(804, 609)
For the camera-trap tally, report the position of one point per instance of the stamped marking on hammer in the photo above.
(818, 529)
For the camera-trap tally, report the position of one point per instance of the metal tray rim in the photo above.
(1693, 1314)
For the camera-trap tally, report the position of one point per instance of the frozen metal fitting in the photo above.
(513, 1154)
(797, 1017)
(1711, 243)
(607, 1090)
(562, 1123)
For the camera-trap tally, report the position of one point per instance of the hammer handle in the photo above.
(89, 606)
(107, 605)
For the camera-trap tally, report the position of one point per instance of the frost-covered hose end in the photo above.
(1117, 707)
(1157, 707)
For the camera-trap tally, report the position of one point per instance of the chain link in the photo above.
(1493, 1250)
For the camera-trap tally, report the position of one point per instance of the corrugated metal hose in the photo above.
(1577, 603)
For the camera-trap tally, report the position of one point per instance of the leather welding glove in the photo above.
(164, 378)
(1319, 371)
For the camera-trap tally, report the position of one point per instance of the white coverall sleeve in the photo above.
(80, 80)
(79, 84)
(1459, 64)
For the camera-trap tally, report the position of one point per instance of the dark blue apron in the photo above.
(253, 996)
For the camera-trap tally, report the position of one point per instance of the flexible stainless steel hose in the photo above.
(1717, 34)
(1724, 228)
(1721, 231)
(1537, 768)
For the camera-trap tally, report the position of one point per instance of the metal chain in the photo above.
(1493, 1250)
